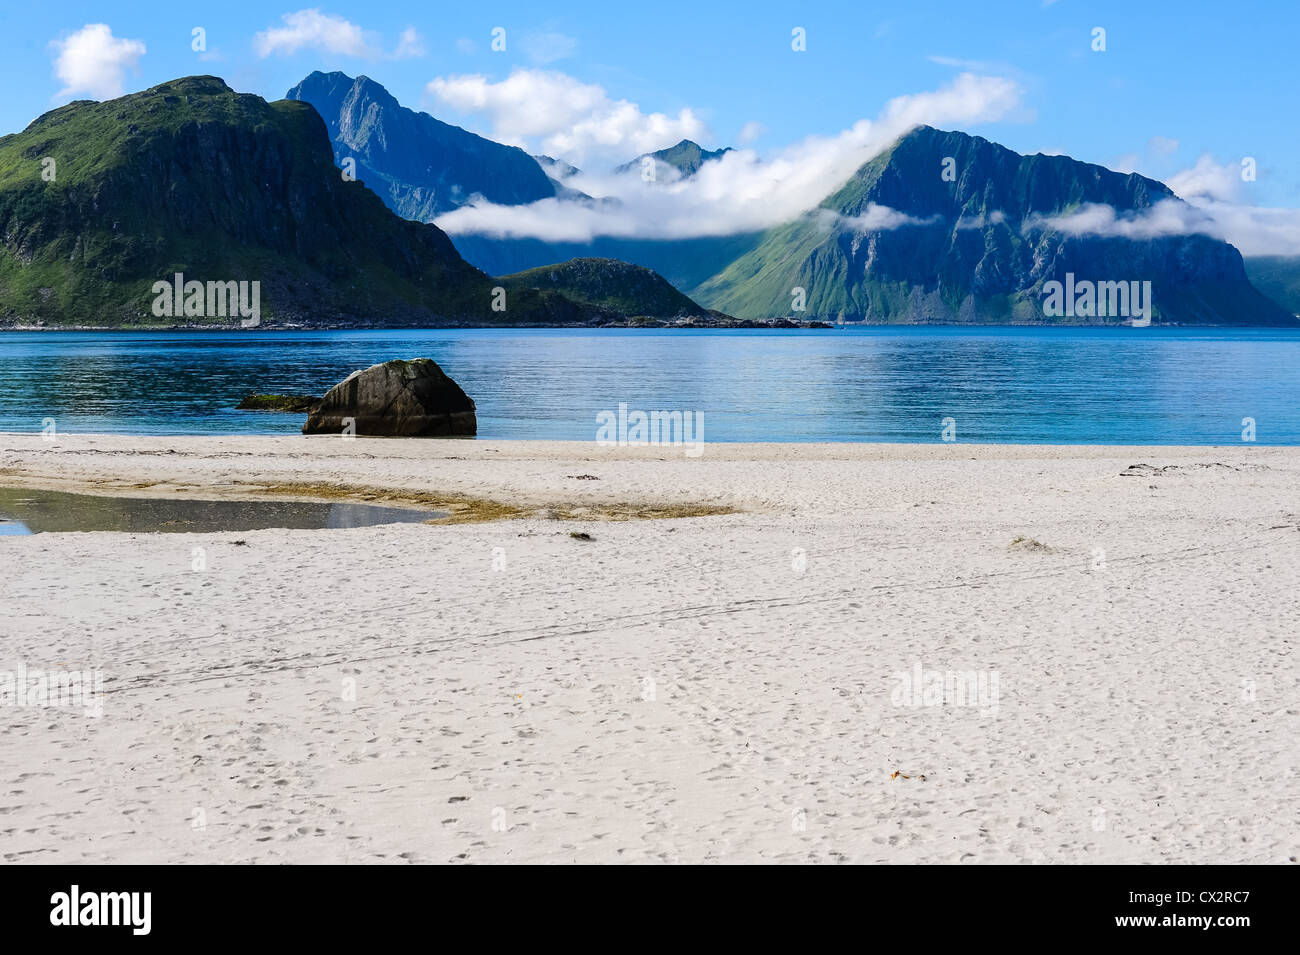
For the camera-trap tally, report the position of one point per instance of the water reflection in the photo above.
(1015, 385)
(26, 511)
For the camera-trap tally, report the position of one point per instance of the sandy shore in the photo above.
(710, 688)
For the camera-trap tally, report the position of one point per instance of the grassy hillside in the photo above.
(608, 283)
(192, 177)
(1278, 277)
(899, 242)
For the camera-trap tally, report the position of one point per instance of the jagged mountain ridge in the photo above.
(680, 161)
(420, 166)
(973, 249)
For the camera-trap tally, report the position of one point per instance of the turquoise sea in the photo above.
(1014, 385)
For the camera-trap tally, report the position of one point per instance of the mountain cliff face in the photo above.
(194, 178)
(421, 167)
(900, 242)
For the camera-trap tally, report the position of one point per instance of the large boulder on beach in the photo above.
(400, 399)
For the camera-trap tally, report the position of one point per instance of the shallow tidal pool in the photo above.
(30, 511)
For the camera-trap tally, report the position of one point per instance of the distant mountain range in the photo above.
(898, 242)
(901, 243)
(104, 204)
(981, 247)
(99, 202)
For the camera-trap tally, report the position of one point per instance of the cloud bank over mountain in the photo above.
(1219, 191)
(1219, 198)
(742, 191)
(1169, 217)
(745, 191)
(554, 113)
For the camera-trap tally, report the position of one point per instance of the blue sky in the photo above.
(1179, 82)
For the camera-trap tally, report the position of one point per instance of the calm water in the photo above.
(1022, 385)
(29, 511)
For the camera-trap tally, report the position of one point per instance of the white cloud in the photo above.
(1208, 180)
(750, 132)
(1167, 217)
(311, 29)
(544, 48)
(1217, 190)
(969, 98)
(738, 192)
(94, 61)
(410, 45)
(1254, 230)
(876, 218)
(333, 34)
(996, 217)
(562, 116)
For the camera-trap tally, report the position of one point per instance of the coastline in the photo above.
(708, 688)
(740, 324)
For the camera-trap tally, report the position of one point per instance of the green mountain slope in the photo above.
(900, 243)
(192, 177)
(1278, 277)
(611, 284)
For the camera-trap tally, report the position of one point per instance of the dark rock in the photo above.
(396, 399)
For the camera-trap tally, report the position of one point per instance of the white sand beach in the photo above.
(720, 688)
